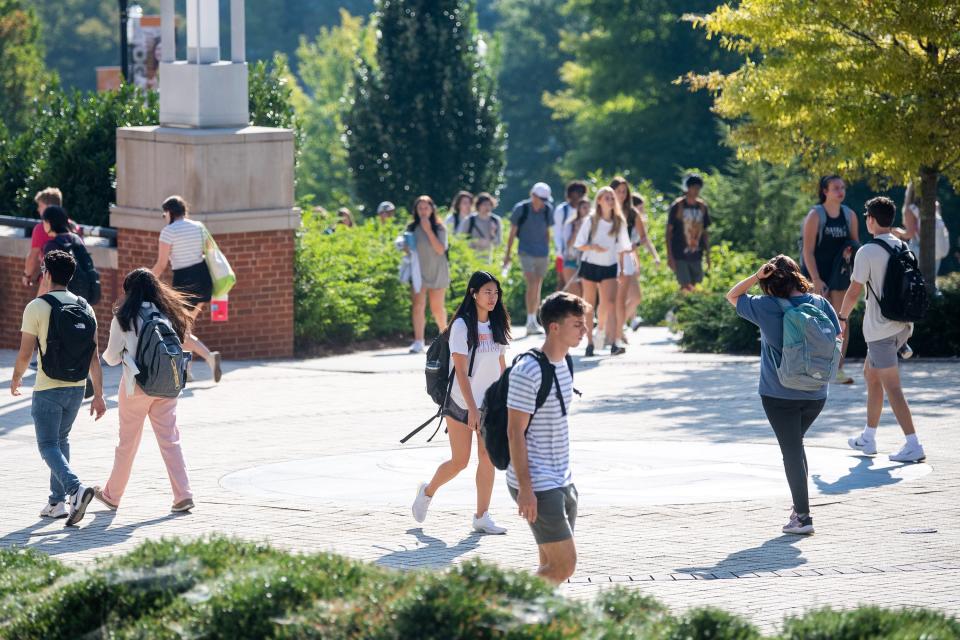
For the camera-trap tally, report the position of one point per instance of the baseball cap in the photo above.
(386, 205)
(542, 191)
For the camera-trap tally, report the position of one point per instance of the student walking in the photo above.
(688, 240)
(885, 338)
(571, 255)
(428, 270)
(182, 246)
(530, 223)
(479, 335)
(538, 476)
(603, 241)
(460, 209)
(567, 210)
(483, 228)
(830, 236)
(51, 196)
(628, 288)
(790, 411)
(86, 280)
(146, 299)
(64, 328)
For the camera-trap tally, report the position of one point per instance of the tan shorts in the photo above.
(537, 265)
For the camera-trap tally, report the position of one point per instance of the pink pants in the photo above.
(163, 416)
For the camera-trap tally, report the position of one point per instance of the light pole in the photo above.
(123, 40)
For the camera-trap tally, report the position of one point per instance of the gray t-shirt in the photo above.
(765, 312)
(534, 233)
(434, 268)
(484, 233)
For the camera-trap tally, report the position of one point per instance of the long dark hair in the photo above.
(56, 216)
(141, 286)
(824, 185)
(626, 205)
(499, 317)
(785, 278)
(435, 223)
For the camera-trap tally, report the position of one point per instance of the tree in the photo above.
(625, 109)
(426, 119)
(271, 89)
(866, 87)
(22, 73)
(326, 66)
(528, 47)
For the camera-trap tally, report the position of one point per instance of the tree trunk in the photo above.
(928, 226)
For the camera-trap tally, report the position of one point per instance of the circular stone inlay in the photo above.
(607, 473)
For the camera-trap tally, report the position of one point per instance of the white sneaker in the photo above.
(534, 329)
(78, 504)
(636, 322)
(421, 504)
(485, 524)
(58, 510)
(866, 447)
(909, 453)
(416, 347)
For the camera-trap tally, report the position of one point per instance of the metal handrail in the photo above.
(27, 225)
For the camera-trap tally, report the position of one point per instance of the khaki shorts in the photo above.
(556, 513)
(882, 354)
(537, 265)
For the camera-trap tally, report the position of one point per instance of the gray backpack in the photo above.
(160, 357)
(811, 347)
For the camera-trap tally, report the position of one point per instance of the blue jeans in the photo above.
(54, 411)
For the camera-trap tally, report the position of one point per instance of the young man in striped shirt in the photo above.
(539, 477)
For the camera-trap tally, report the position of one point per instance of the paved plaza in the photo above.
(681, 484)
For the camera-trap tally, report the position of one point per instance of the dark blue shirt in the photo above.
(765, 312)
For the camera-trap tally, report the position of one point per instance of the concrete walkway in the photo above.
(681, 484)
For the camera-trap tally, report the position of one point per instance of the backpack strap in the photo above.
(472, 226)
(524, 214)
(821, 221)
(892, 254)
(55, 304)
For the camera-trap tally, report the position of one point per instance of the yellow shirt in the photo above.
(36, 321)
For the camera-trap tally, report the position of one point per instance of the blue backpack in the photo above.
(811, 347)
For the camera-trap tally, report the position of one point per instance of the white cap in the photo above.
(542, 191)
(386, 205)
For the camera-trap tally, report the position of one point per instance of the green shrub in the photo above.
(873, 623)
(223, 588)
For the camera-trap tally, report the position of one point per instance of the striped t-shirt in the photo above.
(185, 238)
(548, 438)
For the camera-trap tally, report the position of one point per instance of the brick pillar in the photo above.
(239, 183)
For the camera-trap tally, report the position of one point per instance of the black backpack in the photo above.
(86, 279)
(160, 357)
(493, 418)
(904, 290)
(71, 340)
(440, 379)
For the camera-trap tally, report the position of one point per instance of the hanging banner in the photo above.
(144, 50)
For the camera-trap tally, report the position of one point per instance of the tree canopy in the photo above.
(426, 119)
(22, 72)
(866, 87)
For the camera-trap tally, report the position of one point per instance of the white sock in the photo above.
(869, 434)
(531, 318)
(912, 440)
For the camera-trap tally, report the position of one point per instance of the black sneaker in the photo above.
(589, 351)
(616, 351)
(78, 504)
(799, 525)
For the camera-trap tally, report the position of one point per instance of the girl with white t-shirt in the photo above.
(478, 338)
(603, 242)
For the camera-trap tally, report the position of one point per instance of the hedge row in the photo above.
(223, 588)
(710, 324)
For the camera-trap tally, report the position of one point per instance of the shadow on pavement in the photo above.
(776, 554)
(434, 554)
(861, 476)
(89, 534)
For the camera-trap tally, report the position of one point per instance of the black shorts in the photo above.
(194, 282)
(596, 273)
(455, 411)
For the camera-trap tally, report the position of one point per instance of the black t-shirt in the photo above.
(689, 223)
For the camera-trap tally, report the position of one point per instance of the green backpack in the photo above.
(811, 347)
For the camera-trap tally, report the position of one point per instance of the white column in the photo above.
(168, 36)
(238, 37)
(203, 31)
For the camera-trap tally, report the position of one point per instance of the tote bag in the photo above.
(220, 271)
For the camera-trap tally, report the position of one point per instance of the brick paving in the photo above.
(712, 549)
